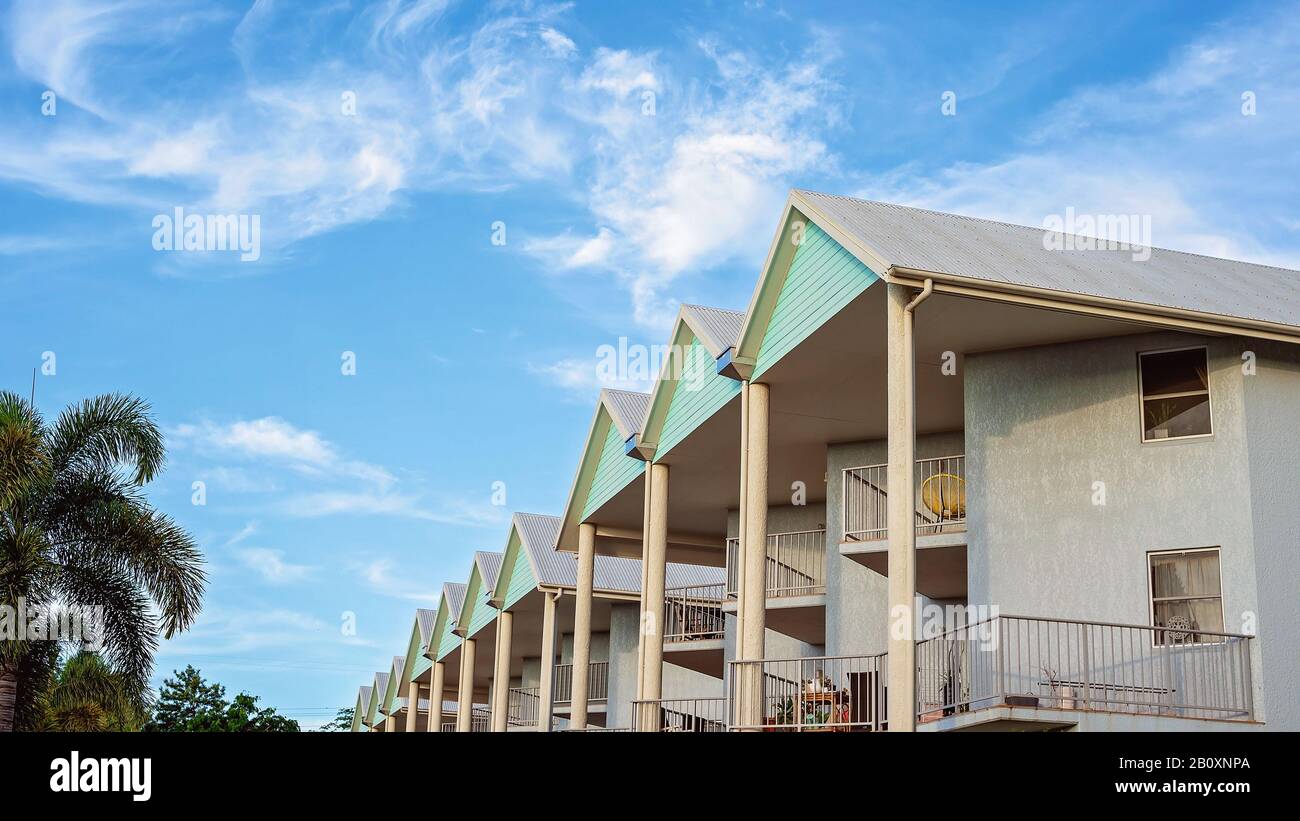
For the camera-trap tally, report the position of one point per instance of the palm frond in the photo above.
(106, 431)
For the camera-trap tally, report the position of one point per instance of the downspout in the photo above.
(920, 297)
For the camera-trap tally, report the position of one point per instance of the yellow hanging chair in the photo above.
(945, 496)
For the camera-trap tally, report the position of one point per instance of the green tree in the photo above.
(89, 696)
(77, 533)
(188, 704)
(342, 722)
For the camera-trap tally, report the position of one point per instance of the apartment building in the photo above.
(948, 476)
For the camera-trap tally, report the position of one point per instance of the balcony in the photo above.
(796, 564)
(681, 715)
(447, 727)
(694, 628)
(988, 672)
(796, 583)
(523, 707)
(940, 499)
(815, 694)
(480, 720)
(597, 682)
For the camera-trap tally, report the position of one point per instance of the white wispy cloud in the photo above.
(383, 577)
(669, 183)
(271, 565)
(1175, 145)
(582, 378)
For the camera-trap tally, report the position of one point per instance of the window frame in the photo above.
(1142, 397)
(1151, 597)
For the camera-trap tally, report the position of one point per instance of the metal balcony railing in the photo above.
(681, 715)
(816, 694)
(523, 707)
(448, 727)
(597, 682)
(940, 499)
(480, 720)
(1078, 665)
(796, 564)
(693, 613)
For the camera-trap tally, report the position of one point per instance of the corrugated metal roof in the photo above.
(363, 695)
(425, 619)
(454, 593)
(489, 565)
(537, 533)
(399, 663)
(718, 329)
(1014, 254)
(381, 688)
(628, 409)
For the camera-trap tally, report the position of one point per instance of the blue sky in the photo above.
(476, 362)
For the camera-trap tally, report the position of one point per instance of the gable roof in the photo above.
(899, 241)
(623, 410)
(482, 581)
(718, 331)
(626, 408)
(424, 619)
(379, 687)
(454, 594)
(360, 710)
(444, 641)
(389, 703)
(489, 564)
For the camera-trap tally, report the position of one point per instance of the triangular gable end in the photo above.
(812, 272)
(597, 452)
(683, 404)
(518, 576)
(445, 640)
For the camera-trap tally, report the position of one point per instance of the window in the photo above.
(1175, 394)
(1186, 596)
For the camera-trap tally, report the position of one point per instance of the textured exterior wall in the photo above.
(1042, 425)
(1273, 432)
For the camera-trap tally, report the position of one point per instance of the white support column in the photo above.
(582, 624)
(740, 532)
(641, 618)
(412, 706)
(755, 546)
(656, 565)
(546, 687)
(390, 724)
(465, 699)
(501, 671)
(438, 682)
(900, 511)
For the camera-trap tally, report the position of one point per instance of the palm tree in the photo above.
(76, 535)
(89, 696)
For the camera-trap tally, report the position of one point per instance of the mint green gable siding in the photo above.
(483, 613)
(698, 394)
(519, 578)
(447, 641)
(822, 280)
(614, 471)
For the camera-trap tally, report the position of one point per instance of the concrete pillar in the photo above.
(390, 724)
(438, 682)
(465, 699)
(582, 623)
(656, 564)
(901, 484)
(546, 687)
(640, 619)
(739, 561)
(752, 605)
(755, 528)
(501, 672)
(412, 706)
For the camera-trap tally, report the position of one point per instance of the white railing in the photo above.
(1078, 665)
(940, 499)
(821, 693)
(693, 613)
(448, 726)
(597, 682)
(680, 715)
(480, 720)
(524, 707)
(796, 564)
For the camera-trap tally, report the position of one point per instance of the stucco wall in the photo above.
(1042, 426)
(1273, 431)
